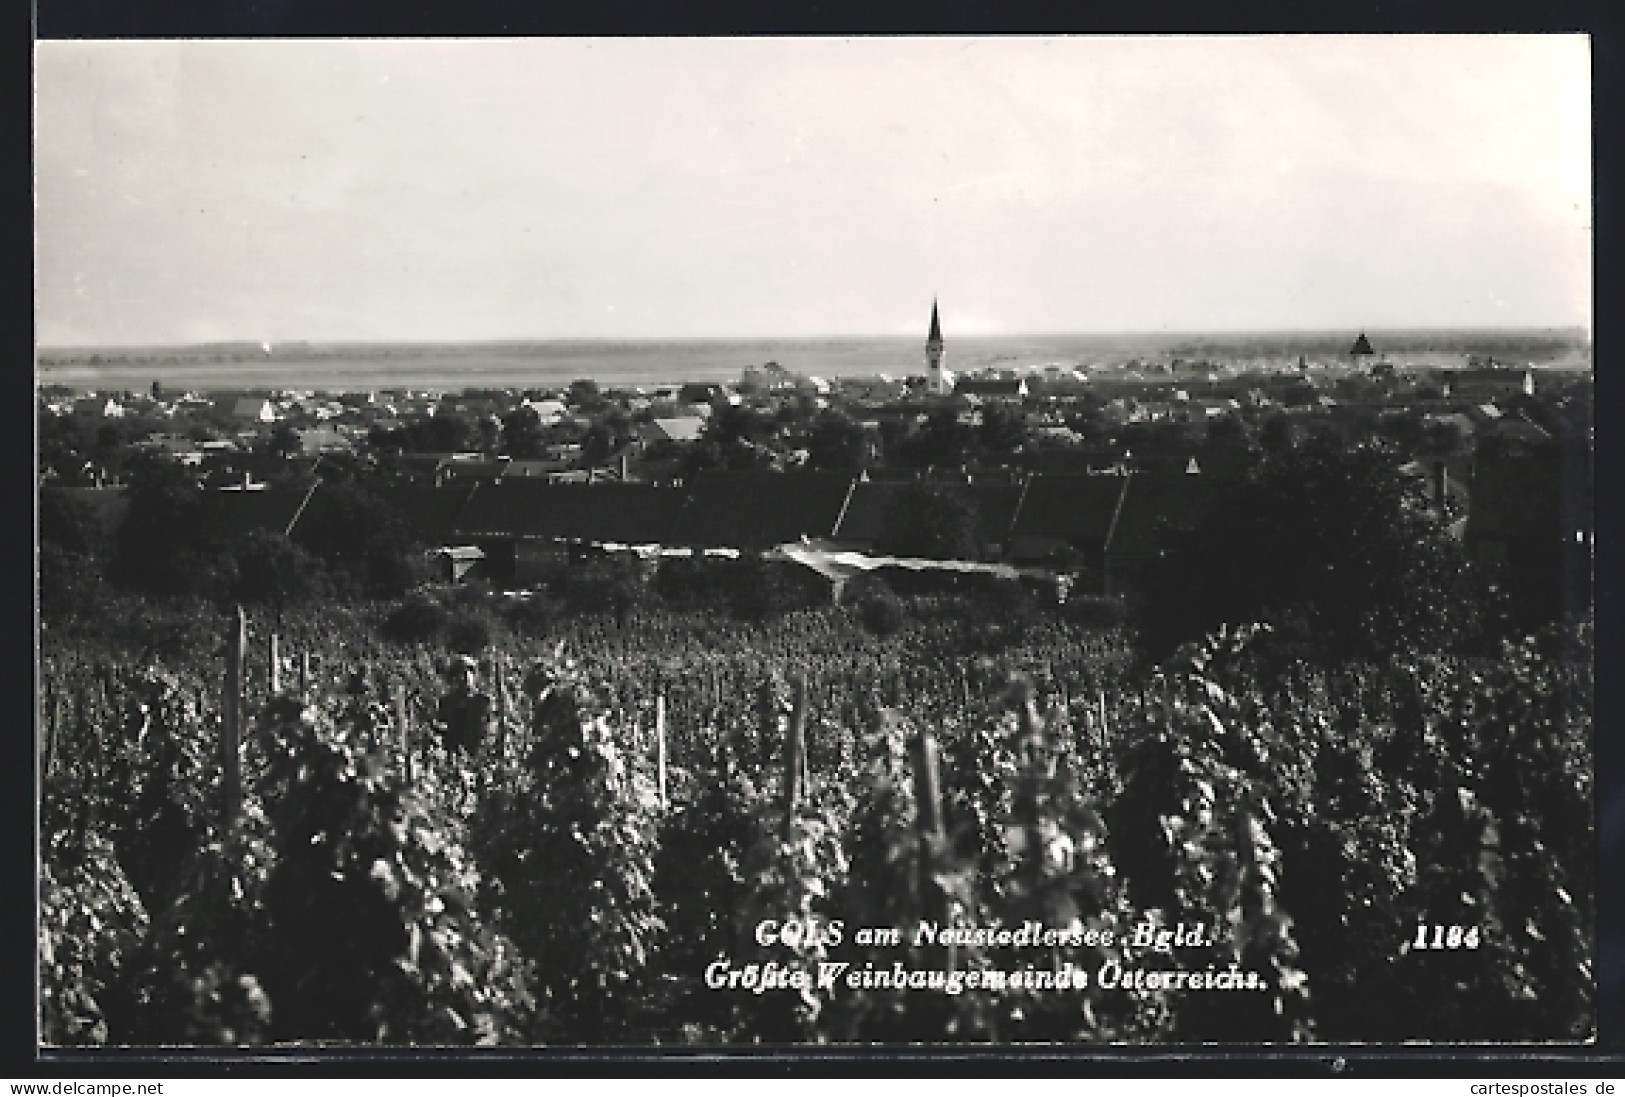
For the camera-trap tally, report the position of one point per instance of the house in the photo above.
(548, 411)
(1488, 383)
(683, 429)
(700, 393)
(455, 563)
(253, 409)
(324, 440)
(532, 467)
(989, 389)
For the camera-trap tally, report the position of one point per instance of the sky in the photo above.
(405, 190)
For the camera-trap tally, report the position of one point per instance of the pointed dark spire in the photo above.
(1362, 345)
(936, 328)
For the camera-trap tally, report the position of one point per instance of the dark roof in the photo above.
(1513, 374)
(995, 508)
(430, 512)
(757, 510)
(1077, 509)
(1362, 345)
(865, 516)
(484, 470)
(611, 512)
(229, 513)
(936, 328)
(990, 387)
(1158, 505)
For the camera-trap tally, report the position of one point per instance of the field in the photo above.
(1372, 852)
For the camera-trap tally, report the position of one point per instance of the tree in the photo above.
(271, 568)
(1227, 433)
(1276, 435)
(522, 432)
(836, 442)
(1002, 430)
(731, 425)
(1405, 431)
(361, 535)
(1338, 546)
(943, 441)
(71, 524)
(932, 521)
(284, 440)
(160, 546)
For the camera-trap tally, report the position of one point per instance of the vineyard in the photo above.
(684, 829)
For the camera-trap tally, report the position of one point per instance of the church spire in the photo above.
(937, 378)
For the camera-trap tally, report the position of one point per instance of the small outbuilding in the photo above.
(454, 563)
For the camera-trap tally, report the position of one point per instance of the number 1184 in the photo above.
(1441, 936)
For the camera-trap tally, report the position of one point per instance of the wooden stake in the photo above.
(304, 673)
(231, 725)
(795, 751)
(49, 718)
(798, 721)
(928, 822)
(276, 668)
(397, 696)
(927, 785)
(660, 746)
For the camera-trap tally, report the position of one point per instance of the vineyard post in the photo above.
(275, 682)
(231, 724)
(304, 672)
(81, 721)
(1104, 737)
(49, 718)
(397, 696)
(795, 753)
(660, 746)
(499, 687)
(767, 713)
(928, 821)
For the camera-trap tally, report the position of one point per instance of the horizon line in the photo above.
(58, 348)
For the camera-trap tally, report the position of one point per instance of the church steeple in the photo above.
(933, 354)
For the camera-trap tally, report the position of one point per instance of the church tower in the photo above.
(933, 355)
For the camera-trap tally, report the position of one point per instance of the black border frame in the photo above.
(139, 19)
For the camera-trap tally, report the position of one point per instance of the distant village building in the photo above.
(321, 440)
(992, 390)
(683, 429)
(254, 409)
(1489, 382)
